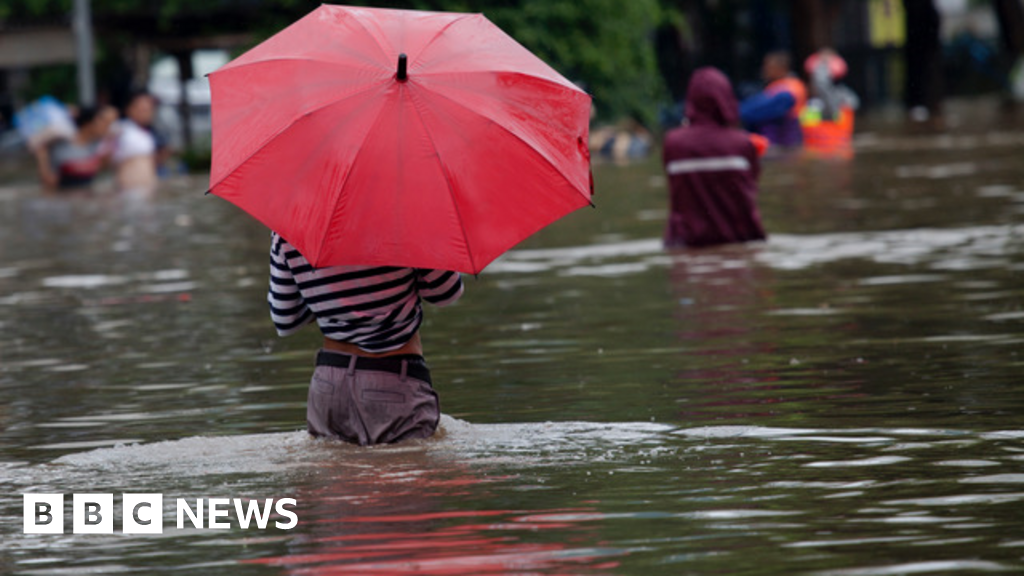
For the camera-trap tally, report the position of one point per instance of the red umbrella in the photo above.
(398, 137)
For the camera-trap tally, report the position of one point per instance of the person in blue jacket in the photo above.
(775, 111)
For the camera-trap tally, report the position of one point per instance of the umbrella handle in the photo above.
(402, 76)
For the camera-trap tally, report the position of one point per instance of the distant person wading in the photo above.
(135, 149)
(775, 111)
(72, 162)
(712, 167)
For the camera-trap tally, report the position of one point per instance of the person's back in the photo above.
(371, 383)
(712, 169)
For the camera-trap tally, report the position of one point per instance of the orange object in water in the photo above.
(760, 143)
(830, 137)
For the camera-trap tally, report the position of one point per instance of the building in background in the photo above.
(165, 83)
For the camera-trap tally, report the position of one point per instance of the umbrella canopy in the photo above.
(398, 137)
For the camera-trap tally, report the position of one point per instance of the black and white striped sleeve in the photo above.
(288, 308)
(439, 287)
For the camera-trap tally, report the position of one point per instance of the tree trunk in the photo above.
(810, 32)
(923, 52)
(1011, 26)
(1011, 30)
(676, 58)
(184, 59)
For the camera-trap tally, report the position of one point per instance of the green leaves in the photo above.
(604, 45)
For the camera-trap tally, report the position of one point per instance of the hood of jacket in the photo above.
(710, 99)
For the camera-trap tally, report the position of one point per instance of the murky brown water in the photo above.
(844, 399)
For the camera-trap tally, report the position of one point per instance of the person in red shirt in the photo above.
(67, 163)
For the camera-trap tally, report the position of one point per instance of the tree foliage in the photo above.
(604, 45)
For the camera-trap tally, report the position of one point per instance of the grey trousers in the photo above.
(371, 400)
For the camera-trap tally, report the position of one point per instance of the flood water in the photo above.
(843, 399)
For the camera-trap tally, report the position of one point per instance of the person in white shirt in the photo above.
(135, 148)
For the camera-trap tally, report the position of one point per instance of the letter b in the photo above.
(93, 513)
(44, 513)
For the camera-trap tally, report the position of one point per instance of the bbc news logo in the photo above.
(144, 513)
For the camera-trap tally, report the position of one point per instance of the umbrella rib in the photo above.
(348, 173)
(443, 30)
(292, 59)
(451, 189)
(284, 129)
(371, 35)
(513, 134)
(570, 88)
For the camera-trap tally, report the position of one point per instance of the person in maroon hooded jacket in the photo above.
(712, 169)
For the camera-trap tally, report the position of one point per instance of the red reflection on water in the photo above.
(419, 517)
(404, 513)
(739, 357)
(721, 295)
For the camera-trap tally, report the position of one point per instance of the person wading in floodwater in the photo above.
(371, 384)
(712, 169)
(775, 111)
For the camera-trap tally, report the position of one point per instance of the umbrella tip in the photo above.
(402, 75)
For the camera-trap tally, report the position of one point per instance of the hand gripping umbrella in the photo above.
(398, 137)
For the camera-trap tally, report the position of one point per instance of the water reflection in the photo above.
(389, 511)
(720, 293)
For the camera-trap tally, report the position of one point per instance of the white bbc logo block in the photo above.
(44, 513)
(92, 513)
(142, 513)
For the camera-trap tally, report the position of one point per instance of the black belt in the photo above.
(416, 366)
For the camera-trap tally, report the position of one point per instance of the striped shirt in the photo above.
(375, 308)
